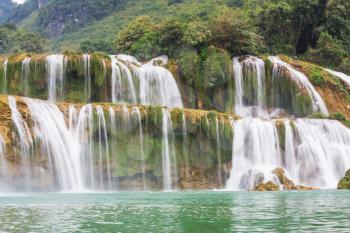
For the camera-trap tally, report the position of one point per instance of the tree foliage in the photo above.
(13, 41)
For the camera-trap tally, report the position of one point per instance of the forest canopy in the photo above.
(313, 30)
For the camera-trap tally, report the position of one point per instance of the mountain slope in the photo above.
(68, 23)
(6, 8)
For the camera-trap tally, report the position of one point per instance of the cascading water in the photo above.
(218, 145)
(25, 75)
(123, 89)
(55, 74)
(342, 76)
(256, 153)
(249, 75)
(156, 85)
(166, 151)
(87, 67)
(317, 102)
(82, 130)
(322, 149)
(61, 148)
(291, 160)
(103, 150)
(136, 112)
(4, 179)
(4, 81)
(238, 75)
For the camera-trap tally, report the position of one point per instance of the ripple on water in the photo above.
(318, 211)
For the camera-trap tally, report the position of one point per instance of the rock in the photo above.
(344, 183)
(305, 188)
(287, 183)
(269, 186)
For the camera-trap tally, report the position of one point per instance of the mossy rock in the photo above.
(217, 68)
(189, 66)
(344, 183)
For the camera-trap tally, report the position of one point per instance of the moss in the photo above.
(217, 69)
(302, 105)
(344, 183)
(316, 77)
(340, 117)
(155, 115)
(212, 115)
(317, 115)
(176, 119)
(281, 131)
(189, 66)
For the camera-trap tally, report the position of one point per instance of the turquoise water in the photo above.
(316, 211)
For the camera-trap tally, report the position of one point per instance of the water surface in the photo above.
(316, 211)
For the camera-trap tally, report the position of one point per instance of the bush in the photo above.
(197, 34)
(329, 51)
(139, 37)
(316, 77)
(171, 34)
(189, 65)
(232, 31)
(217, 68)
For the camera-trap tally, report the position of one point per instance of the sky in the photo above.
(19, 1)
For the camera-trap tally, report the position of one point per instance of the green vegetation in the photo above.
(6, 8)
(315, 30)
(13, 40)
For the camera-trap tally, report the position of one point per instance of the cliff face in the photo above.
(6, 9)
(264, 84)
(122, 147)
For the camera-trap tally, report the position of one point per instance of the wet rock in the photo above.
(287, 183)
(344, 183)
(269, 186)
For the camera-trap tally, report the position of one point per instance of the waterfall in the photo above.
(303, 81)
(322, 152)
(136, 112)
(249, 76)
(58, 144)
(316, 152)
(166, 157)
(145, 84)
(158, 87)
(4, 81)
(4, 179)
(256, 67)
(218, 152)
(342, 76)
(87, 67)
(256, 153)
(55, 73)
(291, 160)
(238, 75)
(113, 143)
(24, 135)
(103, 148)
(25, 75)
(123, 90)
(83, 131)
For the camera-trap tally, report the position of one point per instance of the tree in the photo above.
(329, 51)
(275, 25)
(197, 34)
(232, 30)
(13, 40)
(139, 37)
(93, 46)
(171, 34)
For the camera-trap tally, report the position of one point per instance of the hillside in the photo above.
(59, 21)
(6, 8)
(314, 30)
